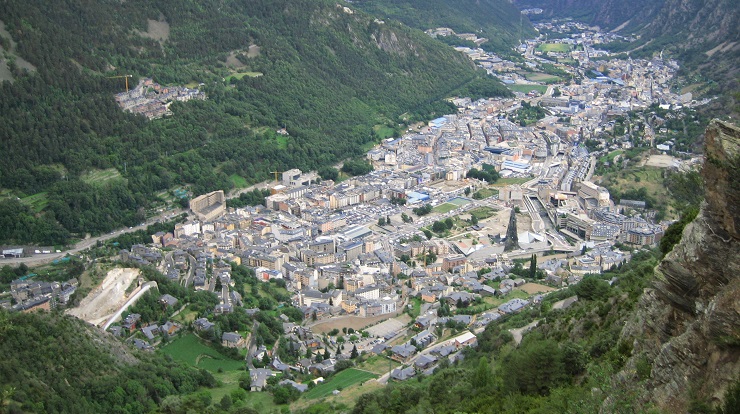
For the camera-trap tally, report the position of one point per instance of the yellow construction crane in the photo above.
(276, 174)
(122, 76)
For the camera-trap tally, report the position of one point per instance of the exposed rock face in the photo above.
(688, 326)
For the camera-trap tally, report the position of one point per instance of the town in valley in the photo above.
(464, 220)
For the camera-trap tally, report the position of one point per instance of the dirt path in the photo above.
(518, 333)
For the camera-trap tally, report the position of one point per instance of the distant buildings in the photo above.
(152, 100)
(208, 207)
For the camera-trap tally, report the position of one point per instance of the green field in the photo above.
(444, 208)
(186, 316)
(511, 181)
(193, 351)
(415, 309)
(482, 213)
(496, 301)
(528, 88)
(260, 401)
(567, 61)
(542, 77)
(240, 75)
(484, 193)
(101, 176)
(383, 131)
(648, 177)
(379, 364)
(459, 201)
(37, 202)
(651, 178)
(610, 156)
(342, 380)
(282, 141)
(554, 47)
(238, 181)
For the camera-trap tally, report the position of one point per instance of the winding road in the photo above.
(144, 288)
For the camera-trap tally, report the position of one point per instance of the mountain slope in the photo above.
(703, 35)
(687, 325)
(328, 75)
(690, 22)
(497, 20)
(58, 364)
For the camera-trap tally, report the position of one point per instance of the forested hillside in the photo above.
(57, 364)
(325, 73)
(497, 20)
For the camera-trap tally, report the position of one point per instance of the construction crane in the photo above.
(122, 76)
(276, 174)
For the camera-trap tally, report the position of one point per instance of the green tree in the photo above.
(533, 267)
(483, 375)
(328, 173)
(592, 288)
(226, 402)
(535, 368)
(675, 231)
(439, 227)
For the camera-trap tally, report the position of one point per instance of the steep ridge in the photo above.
(607, 13)
(700, 19)
(688, 324)
(690, 22)
(497, 20)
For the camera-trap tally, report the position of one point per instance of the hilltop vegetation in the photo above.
(321, 66)
(497, 20)
(58, 364)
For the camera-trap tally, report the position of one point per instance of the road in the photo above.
(40, 259)
(519, 333)
(144, 288)
(537, 223)
(191, 271)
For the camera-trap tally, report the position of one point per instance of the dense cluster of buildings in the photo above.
(29, 294)
(152, 100)
(325, 241)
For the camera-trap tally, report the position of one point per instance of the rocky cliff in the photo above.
(687, 327)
